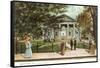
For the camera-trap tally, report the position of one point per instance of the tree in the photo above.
(30, 16)
(93, 11)
(84, 20)
(88, 20)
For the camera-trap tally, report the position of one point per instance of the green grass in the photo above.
(39, 46)
(81, 45)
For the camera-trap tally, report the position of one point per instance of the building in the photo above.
(67, 29)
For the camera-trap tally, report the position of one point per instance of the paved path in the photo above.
(68, 53)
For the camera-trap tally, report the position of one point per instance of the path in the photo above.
(68, 53)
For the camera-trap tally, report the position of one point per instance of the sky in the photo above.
(73, 11)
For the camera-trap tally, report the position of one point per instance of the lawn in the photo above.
(82, 45)
(39, 46)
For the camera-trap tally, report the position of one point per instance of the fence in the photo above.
(38, 47)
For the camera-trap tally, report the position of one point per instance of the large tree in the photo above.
(30, 16)
(93, 12)
(88, 20)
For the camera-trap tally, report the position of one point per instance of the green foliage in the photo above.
(39, 46)
(88, 20)
(30, 16)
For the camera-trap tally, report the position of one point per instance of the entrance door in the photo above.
(63, 33)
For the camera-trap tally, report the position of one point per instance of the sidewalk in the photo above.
(50, 55)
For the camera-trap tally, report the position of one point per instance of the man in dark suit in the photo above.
(62, 47)
(71, 44)
(75, 44)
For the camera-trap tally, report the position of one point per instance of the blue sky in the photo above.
(73, 11)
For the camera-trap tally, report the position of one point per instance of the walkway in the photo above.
(50, 55)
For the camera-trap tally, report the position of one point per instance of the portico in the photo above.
(68, 30)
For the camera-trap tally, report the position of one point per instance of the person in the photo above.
(75, 43)
(92, 47)
(71, 44)
(90, 43)
(62, 46)
(28, 50)
(25, 36)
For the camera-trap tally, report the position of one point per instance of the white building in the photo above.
(66, 29)
(69, 30)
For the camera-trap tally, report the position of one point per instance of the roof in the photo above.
(66, 18)
(70, 19)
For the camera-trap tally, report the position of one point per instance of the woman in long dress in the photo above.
(28, 50)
